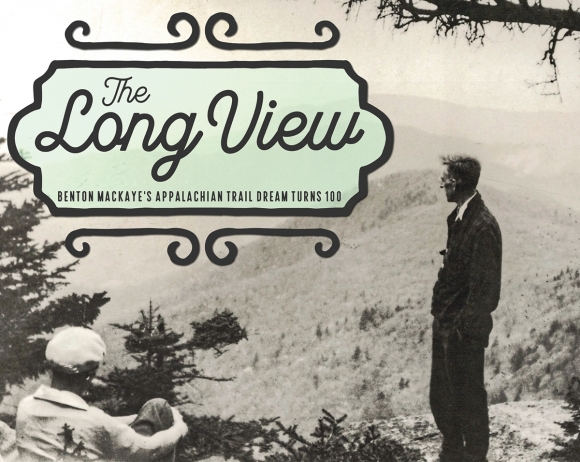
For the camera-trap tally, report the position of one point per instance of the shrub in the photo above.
(332, 442)
(357, 354)
(373, 317)
(210, 436)
(498, 398)
(569, 449)
(517, 360)
(520, 356)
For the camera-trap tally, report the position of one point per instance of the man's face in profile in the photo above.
(449, 184)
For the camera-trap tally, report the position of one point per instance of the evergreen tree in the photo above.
(568, 449)
(164, 360)
(27, 283)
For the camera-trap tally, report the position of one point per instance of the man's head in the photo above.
(74, 355)
(459, 177)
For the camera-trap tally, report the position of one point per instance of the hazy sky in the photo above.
(496, 75)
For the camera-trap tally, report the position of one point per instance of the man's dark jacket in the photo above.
(468, 286)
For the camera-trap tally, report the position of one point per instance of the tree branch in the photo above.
(508, 12)
(502, 11)
(214, 379)
(447, 16)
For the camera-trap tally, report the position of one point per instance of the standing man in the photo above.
(466, 292)
(56, 424)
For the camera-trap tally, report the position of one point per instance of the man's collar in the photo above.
(62, 397)
(461, 210)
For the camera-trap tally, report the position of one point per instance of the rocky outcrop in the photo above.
(520, 431)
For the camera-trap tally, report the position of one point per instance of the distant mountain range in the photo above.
(534, 153)
(480, 125)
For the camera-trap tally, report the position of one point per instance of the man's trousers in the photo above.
(457, 396)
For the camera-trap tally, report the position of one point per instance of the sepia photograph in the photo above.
(404, 286)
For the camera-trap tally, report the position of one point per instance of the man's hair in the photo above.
(464, 169)
(76, 376)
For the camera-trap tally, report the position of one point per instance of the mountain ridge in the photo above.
(352, 333)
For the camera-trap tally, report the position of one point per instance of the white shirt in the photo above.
(92, 434)
(463, 207)
(8, 452)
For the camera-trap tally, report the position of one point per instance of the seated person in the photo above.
(56, 424)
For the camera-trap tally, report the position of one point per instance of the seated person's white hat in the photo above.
(75, 350)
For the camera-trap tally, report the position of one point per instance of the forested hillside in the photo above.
(352, 333)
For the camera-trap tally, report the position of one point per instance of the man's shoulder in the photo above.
(102, 419)
(26, 403)
(483, 218)
(486, 216)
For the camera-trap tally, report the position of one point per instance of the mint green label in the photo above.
(246, 138)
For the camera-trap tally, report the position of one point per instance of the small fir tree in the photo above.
(164, 360)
